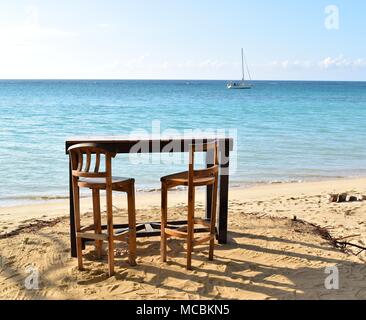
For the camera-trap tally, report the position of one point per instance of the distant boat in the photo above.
(242, 84)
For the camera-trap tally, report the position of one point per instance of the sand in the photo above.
(269, 256)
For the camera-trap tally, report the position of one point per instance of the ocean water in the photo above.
(286, 131)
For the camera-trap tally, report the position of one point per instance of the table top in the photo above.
(124, 143)
(137, 138)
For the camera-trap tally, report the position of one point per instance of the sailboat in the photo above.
(242, 84)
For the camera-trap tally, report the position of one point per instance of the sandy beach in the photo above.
(269, 254)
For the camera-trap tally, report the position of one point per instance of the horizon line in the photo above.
(157, 79)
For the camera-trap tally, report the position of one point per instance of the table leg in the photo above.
(72, 217)
(223, 198)
(209, 188)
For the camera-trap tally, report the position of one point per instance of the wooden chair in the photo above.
(191, 178)
(84, 176)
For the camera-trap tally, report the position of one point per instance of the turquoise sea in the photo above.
(286, 131)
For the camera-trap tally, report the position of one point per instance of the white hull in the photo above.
(239, 86)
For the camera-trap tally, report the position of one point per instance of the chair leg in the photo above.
(110, 231)
(79, 249)
(164, 218)
(213, 221)
(97, 221)
(131, 226)
(190, 227)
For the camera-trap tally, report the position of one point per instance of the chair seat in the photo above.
(100, 183)
(181, 179)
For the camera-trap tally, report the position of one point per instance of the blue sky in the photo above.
(181, 39)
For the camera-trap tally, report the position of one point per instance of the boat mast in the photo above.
(246, 65)
(242, 63)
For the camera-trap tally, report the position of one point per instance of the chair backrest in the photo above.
(213, 168)
(86, 160)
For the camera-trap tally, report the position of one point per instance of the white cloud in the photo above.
(286, 64)
(138, 62)
(359, 62)
(304, 64)
(146, 61)
(213, 64)
(152, 66)
(326, 63)
(341, 62)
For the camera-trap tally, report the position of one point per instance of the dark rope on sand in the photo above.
(31, 227)
(337, 243)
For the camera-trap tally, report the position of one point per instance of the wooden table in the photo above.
(160, 144)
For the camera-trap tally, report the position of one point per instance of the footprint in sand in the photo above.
(93, 280)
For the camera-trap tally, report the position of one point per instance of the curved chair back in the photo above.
(212, 170)
(85, 159)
